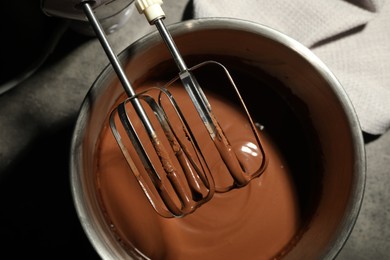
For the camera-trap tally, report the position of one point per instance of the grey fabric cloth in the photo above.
(351, 37)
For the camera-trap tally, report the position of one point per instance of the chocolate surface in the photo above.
(261, 220)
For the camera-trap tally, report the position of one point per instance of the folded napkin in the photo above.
(352, 37)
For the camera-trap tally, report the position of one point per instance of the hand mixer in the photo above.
(154, 135)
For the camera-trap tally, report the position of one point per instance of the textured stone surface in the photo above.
(36, 119)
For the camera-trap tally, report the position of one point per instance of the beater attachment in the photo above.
(165, 150)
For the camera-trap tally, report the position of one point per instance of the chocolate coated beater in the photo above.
(199, 169)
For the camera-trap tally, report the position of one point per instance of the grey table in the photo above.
(36, 119)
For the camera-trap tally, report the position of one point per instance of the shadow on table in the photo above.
(38, 217)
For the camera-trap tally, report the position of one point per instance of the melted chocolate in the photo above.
(258, 221)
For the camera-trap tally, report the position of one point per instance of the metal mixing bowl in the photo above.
(312, 91)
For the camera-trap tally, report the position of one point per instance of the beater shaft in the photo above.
(117, 66)
(189, 81)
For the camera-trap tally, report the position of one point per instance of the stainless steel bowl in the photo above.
(312, 91)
